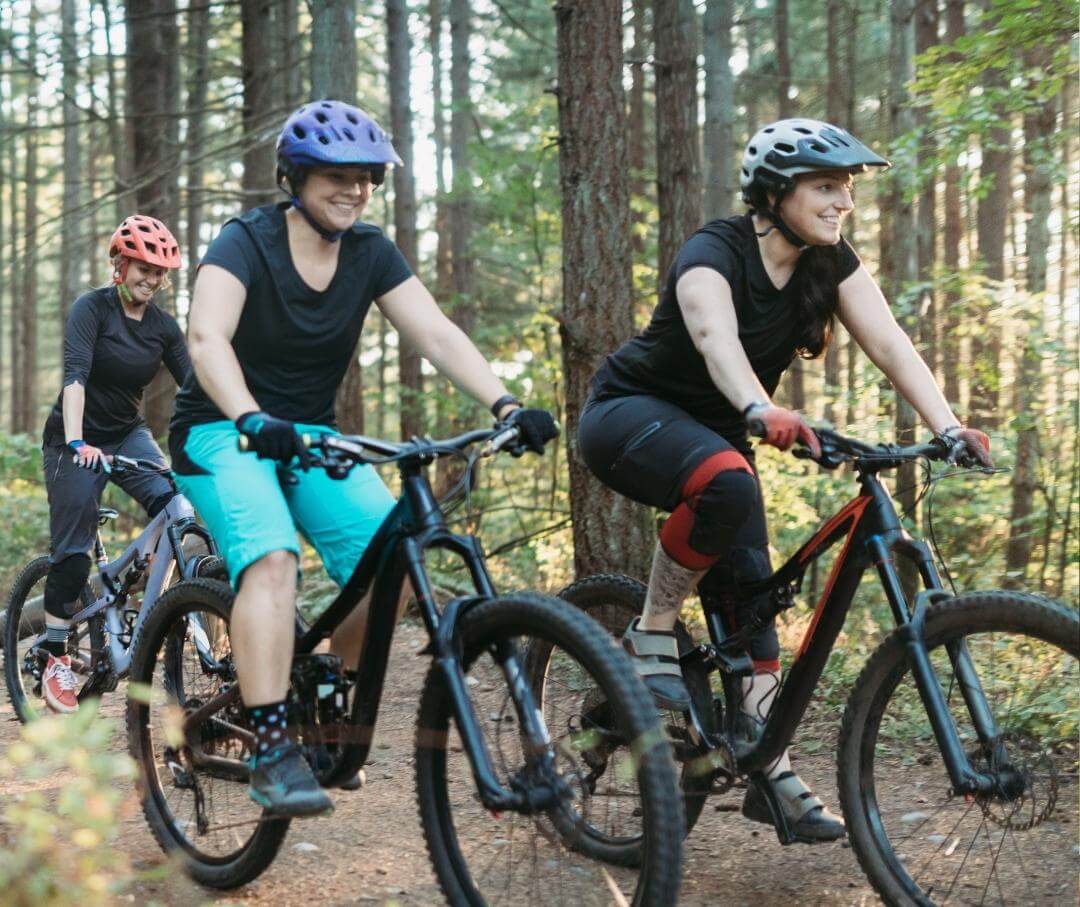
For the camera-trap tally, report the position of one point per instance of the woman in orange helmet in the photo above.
(115, 340)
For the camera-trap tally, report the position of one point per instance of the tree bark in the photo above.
(117, 143)
(153, 89)
(198, 80)
(678, 169)
(287, 30)
(17, 350)
(926, 35)
(461, 213)
(953, 234)
(905, 269)
(720, 184)
(610, 532)
(835, 112)
(28, 332)
(333, 75)
(636, 129)
(259, 116)
(70, 240)
(1039, 123)
(442, 251)
(410, 379)
(749, 78)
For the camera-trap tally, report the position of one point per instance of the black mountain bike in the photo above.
(510, 809)
(958, 747)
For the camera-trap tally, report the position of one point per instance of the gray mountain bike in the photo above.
(112, 604)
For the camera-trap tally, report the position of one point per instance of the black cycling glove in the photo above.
(535, 428)
(274, 439)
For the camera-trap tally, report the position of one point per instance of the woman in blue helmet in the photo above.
(278, 305)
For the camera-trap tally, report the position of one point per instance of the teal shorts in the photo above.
(251, 511)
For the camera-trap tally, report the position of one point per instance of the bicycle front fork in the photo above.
(912, 626)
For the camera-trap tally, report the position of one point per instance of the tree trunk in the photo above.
(442, 251)
(1039, 125)
(70, 240)
(993, 218)
(953, 234)
(258, 66)
(851, 60)
(198, 80)
(28, 332)
(153, 89)
(926, 35)
(286, 27)
(636, 129)
(333, 75)
(17, 349)
(836, 113)
(410, 380)
(720, 184)
(461, 214)
(610, 531)
(905, 268)
(750, 74)
(117, 143)
(333, 49)
(678, 169)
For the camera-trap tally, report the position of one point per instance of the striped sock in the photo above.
(56, 639)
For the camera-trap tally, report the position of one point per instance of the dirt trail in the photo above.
(371, 851)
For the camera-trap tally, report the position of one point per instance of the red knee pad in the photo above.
(675, 536)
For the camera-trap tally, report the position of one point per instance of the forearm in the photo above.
(911, 376)
(219, 375)
(731, 371)
(74, 405)
(454, 355)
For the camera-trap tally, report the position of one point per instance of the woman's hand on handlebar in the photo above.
(780, 427)
(274, 439)
(968, 443)
(89, 457)
(535, 428)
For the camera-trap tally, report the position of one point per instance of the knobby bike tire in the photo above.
(216, 598)
(952, 620)
(32, 574)
(613, 600)
(533, 616)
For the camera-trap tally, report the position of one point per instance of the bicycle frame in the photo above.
(162, 539)
(872, 534)
(414, 525)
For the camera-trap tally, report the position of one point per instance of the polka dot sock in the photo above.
(268, 722)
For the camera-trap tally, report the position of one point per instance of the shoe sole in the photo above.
(58, 708)
(294, 811)
(802, 839)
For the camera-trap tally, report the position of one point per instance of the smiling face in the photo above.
(337, 196)
(143, 280)
(817, 206)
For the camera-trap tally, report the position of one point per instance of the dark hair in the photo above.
(818, 276)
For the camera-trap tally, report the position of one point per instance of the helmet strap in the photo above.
(328, 235)
(120, 269)
(773, 214)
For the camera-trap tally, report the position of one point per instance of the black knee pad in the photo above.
(721, 509)
(64, 585)
(158, 504)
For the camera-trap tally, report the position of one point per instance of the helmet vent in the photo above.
(752, 149)
(372, 135)
(817, 146)
(324, 139)
(768, 129)
(348, 134)
(151, 248)
(326, 104)
(299, 132)
(351, 117)
(785, 147)
(322, 117)
(803, 130)
(144, 228)
(130, 245)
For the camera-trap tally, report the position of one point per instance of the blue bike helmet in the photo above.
(324, 133)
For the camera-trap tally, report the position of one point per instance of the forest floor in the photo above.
(372, 851)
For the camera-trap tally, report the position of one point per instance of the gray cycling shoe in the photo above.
(806, 815)
(283, 783)
(656, 657)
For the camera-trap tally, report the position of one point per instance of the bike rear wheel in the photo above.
(613, 600)
(917, 841)
(480, 858)
(197, 809)
(24, 632)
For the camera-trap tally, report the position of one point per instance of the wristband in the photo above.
(947, 432)
(76, 444)
(504, 400)
(754, 405)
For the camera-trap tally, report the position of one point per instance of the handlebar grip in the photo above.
(756, 427)
(243, 444)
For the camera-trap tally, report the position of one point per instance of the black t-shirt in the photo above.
(293, 343)
(114, 357)
(663, 362)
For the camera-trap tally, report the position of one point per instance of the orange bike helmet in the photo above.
(145, 239)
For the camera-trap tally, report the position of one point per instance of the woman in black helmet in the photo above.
(665, 423)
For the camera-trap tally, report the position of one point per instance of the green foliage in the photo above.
(24, 511)
(63, 852)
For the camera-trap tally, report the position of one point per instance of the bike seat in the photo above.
(105, 514)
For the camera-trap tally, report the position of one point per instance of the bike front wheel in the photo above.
(917, 840)
(547, 857)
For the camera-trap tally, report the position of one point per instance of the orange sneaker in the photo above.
(58, 685)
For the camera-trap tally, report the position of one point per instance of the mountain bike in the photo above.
(957, 757)
(113, 603)
(506, 802)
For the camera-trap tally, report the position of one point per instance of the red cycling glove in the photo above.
(780, 427)
(974, 442)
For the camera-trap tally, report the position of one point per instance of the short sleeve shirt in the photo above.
(663, 362)
(293, 343)
(114, 357)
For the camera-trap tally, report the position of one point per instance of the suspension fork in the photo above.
(912, 627)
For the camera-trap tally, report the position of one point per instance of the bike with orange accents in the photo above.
(957, 753)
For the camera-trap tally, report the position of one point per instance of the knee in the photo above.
(65, 583)
(272, 574)
(722, 507)
(159, 503)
